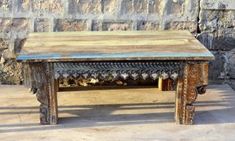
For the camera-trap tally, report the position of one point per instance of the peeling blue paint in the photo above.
(25, 57)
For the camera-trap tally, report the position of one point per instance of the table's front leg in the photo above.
(193, 82)
(45, 87)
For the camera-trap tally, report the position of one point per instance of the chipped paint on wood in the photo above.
(126, 45)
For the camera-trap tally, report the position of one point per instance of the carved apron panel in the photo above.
(114, 70)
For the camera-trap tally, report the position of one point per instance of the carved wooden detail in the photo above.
(42, 84)
(40, 87)
(193, 82)
(115, 70)
(191, 78)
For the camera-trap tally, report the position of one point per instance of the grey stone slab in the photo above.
(218, 4)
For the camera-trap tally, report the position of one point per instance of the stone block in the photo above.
(70, 25)
(182, 25)
(153, 7)
(20, 28)
(179, 10)
(110, 7)
(96, 25)
(222, 39)
(217, 22)
(232, 83)
(134, 7)
(147, 25)
(218, 4)
(5, 5)
(18, 44)
(175, 7)
(231, 63)
(5, 23)
(9, 48)
(218, 67)
(85, 7)
(3, 44)
(14, 28)
(212, 20)
(22, 6)
(179, 14)
(41, 25)
(52, 7)
(11, 72)
(116, 25)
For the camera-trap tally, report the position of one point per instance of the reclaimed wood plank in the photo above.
(125, 45)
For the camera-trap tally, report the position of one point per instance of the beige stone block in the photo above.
(44, 7)
(41, 25)
(218, 4)
(134, 7)
(110, 7)
(85, 7)
(5, 5)
(154, 6)
(148, 25)
(70, 25)
(14, 28)
(11, 72)
(116, 25)
(20, 28)
(3, 44)
(23, 5)
(182, 25)
(4, 24)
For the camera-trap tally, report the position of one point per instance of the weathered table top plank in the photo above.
(125, 45)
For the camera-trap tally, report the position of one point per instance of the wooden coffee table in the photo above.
(49, 57)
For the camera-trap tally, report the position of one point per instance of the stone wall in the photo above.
(212, 21)
(217, 33)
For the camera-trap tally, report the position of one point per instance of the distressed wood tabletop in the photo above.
(115, 45)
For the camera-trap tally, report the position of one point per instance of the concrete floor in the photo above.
(117, 115)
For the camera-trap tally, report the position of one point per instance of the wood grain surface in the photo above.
(119, 45)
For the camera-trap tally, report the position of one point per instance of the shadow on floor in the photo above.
(101, 115)
(224, 114)
(104, 115)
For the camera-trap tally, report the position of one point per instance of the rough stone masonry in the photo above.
(211, 21)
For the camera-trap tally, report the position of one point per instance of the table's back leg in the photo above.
(45, 87)
(190, 84)
(165, 84)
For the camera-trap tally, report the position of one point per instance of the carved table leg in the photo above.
(192, 83)
(53, 88)
(45, 87)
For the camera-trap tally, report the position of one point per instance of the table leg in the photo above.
(165, 85)
(53, 88)
(193, 82)
(45, 87)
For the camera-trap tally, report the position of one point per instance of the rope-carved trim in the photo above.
(115, 70)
